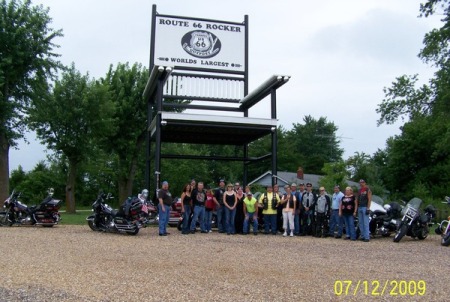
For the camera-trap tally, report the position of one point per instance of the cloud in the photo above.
(340, 54)
(380, 35)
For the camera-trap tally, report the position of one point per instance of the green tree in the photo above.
(416, 156)
(17, 177)
(72, 120)
(27, 60)
(34, 184)
(358, 165)
(334, 174)
(126, 143)
(420, 156)
(313, 144)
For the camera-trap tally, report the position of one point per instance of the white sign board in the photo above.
(199, 44)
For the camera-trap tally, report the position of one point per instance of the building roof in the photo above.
(291, 177)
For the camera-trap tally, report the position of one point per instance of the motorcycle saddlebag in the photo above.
(52, 204)
(132, 204)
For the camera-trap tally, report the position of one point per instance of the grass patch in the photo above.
(78, 218)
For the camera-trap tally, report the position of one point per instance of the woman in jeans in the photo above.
(230, 201)
(186, 206)
(209, 208)
(348, 208)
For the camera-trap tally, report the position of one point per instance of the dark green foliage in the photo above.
(334, 174)
(418, 160)
(72, 120)
(126, 143)
(312, 144)
(34, 184)
(27, 60)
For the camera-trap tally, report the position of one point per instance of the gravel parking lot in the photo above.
(73, 263)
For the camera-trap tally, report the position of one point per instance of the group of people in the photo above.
(297, 212)
(234, 208)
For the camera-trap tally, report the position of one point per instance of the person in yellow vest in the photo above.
(269, 202)
(250, 213)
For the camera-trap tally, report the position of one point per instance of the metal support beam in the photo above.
(274, 137)
(245, 159)
(274, 157)
(159, 93)
(245, 166)
(148, 144)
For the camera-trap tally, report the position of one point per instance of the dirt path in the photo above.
(73, 263)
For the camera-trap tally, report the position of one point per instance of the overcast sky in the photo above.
(340, 54)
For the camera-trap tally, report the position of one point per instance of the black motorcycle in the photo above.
(443, 228)
(384, 219)
(18, 213)
(129, 219)
(414, 223)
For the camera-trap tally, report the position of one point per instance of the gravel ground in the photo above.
(73, 263)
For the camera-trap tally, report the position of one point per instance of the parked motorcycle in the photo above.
(18, 213)
(133, 215)
(444, 227)
(414, 223)
(384, 219)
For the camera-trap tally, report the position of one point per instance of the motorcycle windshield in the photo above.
(377, 199)
(414, 203)
(377, 204)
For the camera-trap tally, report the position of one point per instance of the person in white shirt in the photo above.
(335, 219)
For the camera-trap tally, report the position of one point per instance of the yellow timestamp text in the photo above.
(380, 288)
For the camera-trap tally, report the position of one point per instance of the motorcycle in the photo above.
(133, 215)
(444, 227)
(18, 213)
(413, 223)
(384, 219)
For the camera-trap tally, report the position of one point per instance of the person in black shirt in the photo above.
(220, 208)
(348, 209)
(199, 199)
(186, 207)
(165, 201)
(239, 218)
(230, 200)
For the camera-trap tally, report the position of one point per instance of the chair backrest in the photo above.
(204, 87)
(203, 91)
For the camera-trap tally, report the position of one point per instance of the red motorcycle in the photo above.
(18, 213)
(134, 214)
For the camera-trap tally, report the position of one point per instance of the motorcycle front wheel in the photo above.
(422, 234)
(446, 239)
(4, 219)
(92, 226)
(400, 233)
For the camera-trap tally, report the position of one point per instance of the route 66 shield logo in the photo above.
(201, 44)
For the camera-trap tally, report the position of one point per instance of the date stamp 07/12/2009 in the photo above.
(380, 288)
